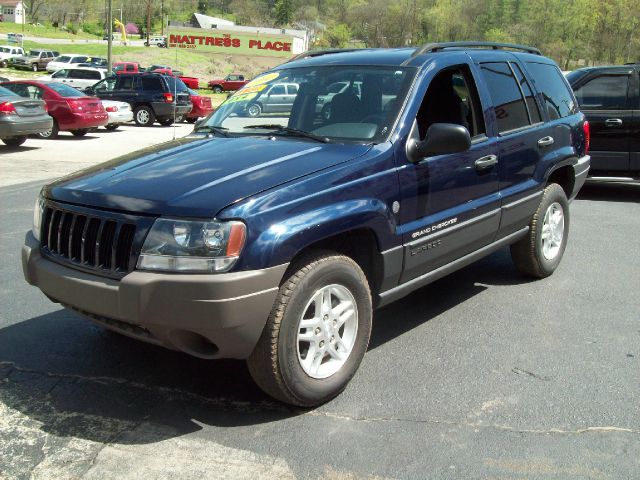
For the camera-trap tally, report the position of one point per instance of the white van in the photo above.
(81, 77)
(156, 40)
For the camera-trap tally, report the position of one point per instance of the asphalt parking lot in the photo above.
(483, 374)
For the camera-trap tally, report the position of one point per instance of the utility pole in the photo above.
(148, 20)
(162, 17)
(109, 35)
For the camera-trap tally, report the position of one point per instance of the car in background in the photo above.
(201, 107)
(323, 105)
(152, 96)
(191, 82)
(65, 61)
(80, 77)
(119, 113)
(156, 40)
(71, 109)
(230, 83)
(20, 117)
(9, 52)
(610, 98)
(35, 60)
(127, 67)
(277, 98)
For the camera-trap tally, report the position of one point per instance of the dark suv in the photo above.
(610, 98)
(273, 238)
(152, 96)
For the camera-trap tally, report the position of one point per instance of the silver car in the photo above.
(278, 98)
(20, 117)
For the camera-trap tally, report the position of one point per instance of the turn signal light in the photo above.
(111, 109)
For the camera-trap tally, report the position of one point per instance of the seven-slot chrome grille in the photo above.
(93, 240)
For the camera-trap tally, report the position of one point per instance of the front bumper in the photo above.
(208, 316)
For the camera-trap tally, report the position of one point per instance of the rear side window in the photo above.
(151, 83)
(126, 82)
(532, 106)
(606, 92)
(511, 112)
(551, 84)
(65, 90)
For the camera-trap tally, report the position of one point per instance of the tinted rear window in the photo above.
(550, 82)
(511, 112)
(7, 92)
(151, 83)
(175, 84)
(65, 90)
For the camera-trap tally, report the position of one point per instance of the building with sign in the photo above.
(12, 11)
(216, 35)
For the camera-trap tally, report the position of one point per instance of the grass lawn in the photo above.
(42, 31)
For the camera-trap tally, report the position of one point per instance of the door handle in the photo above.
(486, 162)
(613, 122)
(545, 141)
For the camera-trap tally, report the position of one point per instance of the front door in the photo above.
(450, 204)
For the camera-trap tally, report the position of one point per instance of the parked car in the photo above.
(152, 96)
(276, 98)
(79, 77)
(65, 61)
(119, 113)
(190, 82)
(273, 242)
(610, 98)
(71, 109)
(20, 117)
(35, 60)
(8, 53)
(201, 107)
(230, 83)
(127, 67)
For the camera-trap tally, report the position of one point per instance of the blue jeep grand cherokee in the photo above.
(272, 237)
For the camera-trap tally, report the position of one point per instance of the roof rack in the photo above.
(318, 53)
(435, 47)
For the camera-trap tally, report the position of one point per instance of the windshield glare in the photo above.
(344, 103)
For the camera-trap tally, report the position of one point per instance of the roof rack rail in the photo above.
(435, 47)
(318, 53)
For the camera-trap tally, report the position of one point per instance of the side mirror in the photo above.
(442, 138)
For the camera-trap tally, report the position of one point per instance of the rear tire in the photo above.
(217, 89)
(165, 122)
(15, 141)
(80, 133)
(539, 253)
(34, 67)
(50, 134)
(144, 116)
(317, 332)
(111, 127)
(191, 119)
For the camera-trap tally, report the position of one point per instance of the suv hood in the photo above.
(196, 176)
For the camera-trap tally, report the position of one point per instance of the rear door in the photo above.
(606, 97)
(634, 101)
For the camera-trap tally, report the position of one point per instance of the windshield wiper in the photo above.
(212, 129)
(282, 130)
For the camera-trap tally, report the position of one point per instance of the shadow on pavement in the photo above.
(611, 192)
(79, 380)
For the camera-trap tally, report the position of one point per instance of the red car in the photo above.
(71, 109)
(201, 107)
(230, 83)
(191, 82)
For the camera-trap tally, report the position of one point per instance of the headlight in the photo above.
(192, 246)
(37, 216)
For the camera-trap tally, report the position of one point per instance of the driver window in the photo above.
(452, 98)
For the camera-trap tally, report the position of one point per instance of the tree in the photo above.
(283, 12)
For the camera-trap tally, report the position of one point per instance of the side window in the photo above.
(292, 89)
(128, 68)
(511, 111)
(61, 74)
(106, 85)
(532, 106)
(151, 83)
(606, 92)
(126, 82)
(277, 90)
(452, 98)
(550, 82)
(241, 78)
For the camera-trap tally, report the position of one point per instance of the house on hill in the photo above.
(12, 11)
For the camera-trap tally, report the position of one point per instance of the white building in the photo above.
(12, 11)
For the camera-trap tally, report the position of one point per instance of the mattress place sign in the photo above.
(232, 42)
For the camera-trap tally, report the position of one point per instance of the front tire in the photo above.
(80, 133)
(217, 89)
(317, 332)
(144, 116)
(165, 122)
(254, 110)
(34, 67)
(112, 127)
(539, 253)
(50, 134)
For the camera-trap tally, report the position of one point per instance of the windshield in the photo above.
(3, 49)
(65, 90)
(338, 103)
